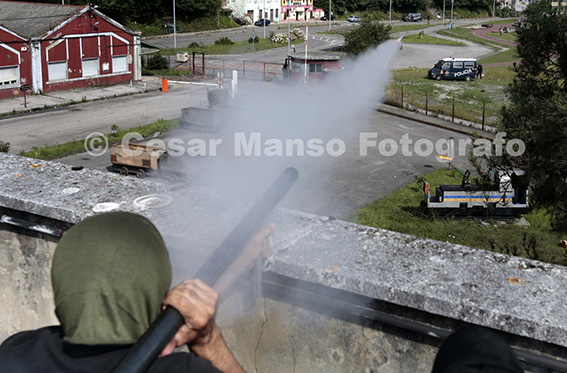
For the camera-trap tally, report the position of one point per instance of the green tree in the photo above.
(538, 110)
(338, 7)
(369, 34)
(191, 9)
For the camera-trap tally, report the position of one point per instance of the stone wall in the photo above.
(26, 300)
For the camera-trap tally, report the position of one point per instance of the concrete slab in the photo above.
(519, 296)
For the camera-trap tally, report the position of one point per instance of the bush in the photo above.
(195, 45)
(506, 12)
(255, 40)
(4, 147)
(218, 97)
(224, 41)
(157, 62)
(296, 34)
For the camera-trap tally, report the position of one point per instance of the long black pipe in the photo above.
(148, 347)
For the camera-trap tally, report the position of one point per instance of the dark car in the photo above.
(239, 21)
(412, 17)
(324, 18)
(262, 22)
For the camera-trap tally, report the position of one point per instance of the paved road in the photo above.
(412, 55)
(329, 185)
(335, 186)
(53, 127)
(238, 34)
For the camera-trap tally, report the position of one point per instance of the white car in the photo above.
(353, 19)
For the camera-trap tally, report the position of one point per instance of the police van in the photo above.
(454, 69)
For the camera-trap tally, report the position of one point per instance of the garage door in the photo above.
(119, 64)
(8, 75)
(57, 71)
(90, 67)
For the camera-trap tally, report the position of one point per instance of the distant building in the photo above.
(521, 5)
(299, 10)
(318, 65)
(255, 9)
(55, 47)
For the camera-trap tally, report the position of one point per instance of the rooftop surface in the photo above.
(34, 19)
(515, 295)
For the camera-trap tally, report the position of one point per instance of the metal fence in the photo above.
(210, 66)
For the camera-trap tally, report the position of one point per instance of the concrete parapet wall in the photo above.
(376, 268)
(26, 300)
(278, 337)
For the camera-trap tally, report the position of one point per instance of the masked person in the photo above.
(474, 349)
(110, 274)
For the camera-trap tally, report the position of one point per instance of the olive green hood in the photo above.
(110, 273)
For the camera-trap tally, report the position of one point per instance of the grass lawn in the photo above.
(410, 27)
(401, 212)
(465, 34)
(239, 47)
(508, 36)
(510, 55)
(469, 96)
(78, 146)
(428, 39)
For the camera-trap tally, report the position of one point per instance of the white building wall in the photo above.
(256, 8)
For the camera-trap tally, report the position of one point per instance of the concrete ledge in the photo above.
(55, 191)
(458, 282)
(514, 295)
(469, 128)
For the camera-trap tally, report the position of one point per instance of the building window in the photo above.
(119, 64)
(315, 67)
(90, 67)
(8, 76)
(57, 71)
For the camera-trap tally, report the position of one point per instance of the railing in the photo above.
(210, 66)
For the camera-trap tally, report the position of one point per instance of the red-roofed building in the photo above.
(55, 47)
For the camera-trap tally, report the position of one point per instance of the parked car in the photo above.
(353, 19)
(412, 17)
(324, 18)
(262, 22)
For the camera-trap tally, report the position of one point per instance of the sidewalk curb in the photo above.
(401, 113)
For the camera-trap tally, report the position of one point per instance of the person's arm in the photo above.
(259, 245)
(197, 302)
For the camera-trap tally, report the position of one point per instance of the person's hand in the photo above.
(197, 303)
(258, 246)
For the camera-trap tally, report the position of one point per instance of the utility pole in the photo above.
(288, 30)
(443, 12)
(390, 16)
(174, 28)
(330, 16)
(452, 2)
(494, 10)
(264, 17)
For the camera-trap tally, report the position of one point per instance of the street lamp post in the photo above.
(390, 16)
(443, 12)
(452, 2)
(174, 28)
(330, 17)
(288, 30)
(264, 17)
(494, 10)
